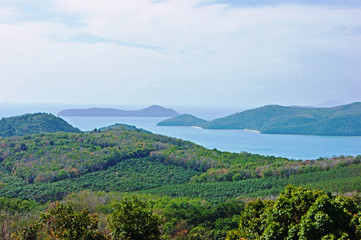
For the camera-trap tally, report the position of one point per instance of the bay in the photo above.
(290, 146)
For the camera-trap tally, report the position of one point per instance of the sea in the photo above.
(297, 147)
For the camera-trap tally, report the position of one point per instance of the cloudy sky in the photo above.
(180, 52)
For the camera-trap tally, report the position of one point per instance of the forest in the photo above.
(33, 123)
(97, 179)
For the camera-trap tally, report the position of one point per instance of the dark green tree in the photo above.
(252, 222)
(132, 219)
(62, 222)
(299, 213)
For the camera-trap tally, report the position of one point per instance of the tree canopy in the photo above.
(299, 213)
(132, 219)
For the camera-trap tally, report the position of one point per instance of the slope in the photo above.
(32, 124)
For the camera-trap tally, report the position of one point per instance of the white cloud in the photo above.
(160, 51)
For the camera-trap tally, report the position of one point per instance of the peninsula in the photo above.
(274, 119)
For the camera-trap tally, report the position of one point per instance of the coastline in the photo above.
(250, 130)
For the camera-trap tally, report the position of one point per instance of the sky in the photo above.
(180, 52)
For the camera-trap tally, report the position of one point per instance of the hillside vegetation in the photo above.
(194, 192)
(48, 166)
(34, 123)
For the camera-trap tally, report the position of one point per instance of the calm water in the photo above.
(290, 146)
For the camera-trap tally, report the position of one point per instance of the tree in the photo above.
(132, 219)
(62, 222)
(252, 222)
(299, 213)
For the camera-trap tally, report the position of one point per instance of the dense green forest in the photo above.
(273, 119)
(185, 190)
(300, 214)
(297, 213)
(34, 123)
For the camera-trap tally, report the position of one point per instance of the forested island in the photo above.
(85, 185)
(152, 111)
(182, 120)
(273, 119)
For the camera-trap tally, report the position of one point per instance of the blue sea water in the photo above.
(290, 146)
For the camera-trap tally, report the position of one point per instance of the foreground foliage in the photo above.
(62, 222)
(299, 213)
(132, 220)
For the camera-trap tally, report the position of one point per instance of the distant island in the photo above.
(34, 123)
(182, 120)
(274, 119)
(152, 111)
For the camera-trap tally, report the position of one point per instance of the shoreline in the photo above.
(250, 130)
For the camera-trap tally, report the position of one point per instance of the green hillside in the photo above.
(32, 124)
(122, 158)
(273, 119)
(198, 193)
(182, 120)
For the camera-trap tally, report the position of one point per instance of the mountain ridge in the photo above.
(342, 120)
(151, 111)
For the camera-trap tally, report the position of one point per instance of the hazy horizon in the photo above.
(211, 53)
(205, 112)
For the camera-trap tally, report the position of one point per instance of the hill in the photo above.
(121, 158)
(273, 119)
(182, 120)
(152, 111)
(34, 123)
(200, 193)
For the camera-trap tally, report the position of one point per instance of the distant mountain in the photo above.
(337, 121)
(329, 103)
(152, 111)
(34, 123)
(297, 106)
(182, 120)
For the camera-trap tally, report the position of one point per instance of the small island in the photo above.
(152, 111)
(182, 120)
